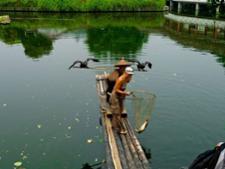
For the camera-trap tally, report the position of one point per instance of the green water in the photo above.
(47, 112)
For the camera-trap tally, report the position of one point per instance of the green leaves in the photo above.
(86, 5)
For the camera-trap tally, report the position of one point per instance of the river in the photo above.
(47, 112)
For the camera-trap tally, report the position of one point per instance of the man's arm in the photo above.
(118, 85)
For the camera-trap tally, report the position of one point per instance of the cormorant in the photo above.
(83, 64)
(141, 66)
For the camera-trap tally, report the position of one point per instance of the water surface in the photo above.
(48, 112)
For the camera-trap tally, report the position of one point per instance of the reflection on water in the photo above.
(115, 41)
(199, 34)
(35, 44)
(112, 36)
(117, 35)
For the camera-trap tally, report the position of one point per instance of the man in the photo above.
(119, 94)
(119, 70)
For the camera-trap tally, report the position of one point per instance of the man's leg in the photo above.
(115, 109)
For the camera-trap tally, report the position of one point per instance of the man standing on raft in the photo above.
(113, 76)
(118, 96)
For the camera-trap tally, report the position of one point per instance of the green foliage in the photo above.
(85, 5)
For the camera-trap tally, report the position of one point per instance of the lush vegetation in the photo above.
(83, 5)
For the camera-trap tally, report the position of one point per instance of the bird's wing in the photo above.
(149, 64)
(92, 59)
(74, 63)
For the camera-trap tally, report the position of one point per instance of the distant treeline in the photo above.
(82, 5)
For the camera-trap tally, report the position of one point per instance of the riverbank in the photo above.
(81, 5)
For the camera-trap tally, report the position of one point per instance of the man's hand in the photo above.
(128, 93)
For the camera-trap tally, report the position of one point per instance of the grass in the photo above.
(84, 5)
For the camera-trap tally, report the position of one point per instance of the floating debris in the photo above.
(97, 127)
(77, 120)
(89, 141)
(68, 136)
(174, 74)
(41, 140)
(24, 157)
(18, 163)
(69, 127)
(44, 154)
(39, 126)
(0, 158)
(100, 140)
(26, 133)
(96, 136)
(4, 105)
(96, 159)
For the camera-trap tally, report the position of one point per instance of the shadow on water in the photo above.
(148, 153)
(92, 166)
(102, 164)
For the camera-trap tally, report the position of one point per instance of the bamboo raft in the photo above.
(123, 151)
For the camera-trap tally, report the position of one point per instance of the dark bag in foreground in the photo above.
(209, 159)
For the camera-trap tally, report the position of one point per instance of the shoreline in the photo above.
(30, 10)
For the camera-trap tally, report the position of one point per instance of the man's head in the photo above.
(121, 65)
(129, 73)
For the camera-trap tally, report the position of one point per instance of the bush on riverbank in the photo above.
(83, 5)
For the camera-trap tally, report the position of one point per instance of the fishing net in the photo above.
(143, 104)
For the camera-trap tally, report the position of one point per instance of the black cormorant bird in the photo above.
(141, 66)
(83, 64)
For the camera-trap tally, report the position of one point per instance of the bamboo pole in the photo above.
(121, 151)
(112, 145)
(137, 145)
